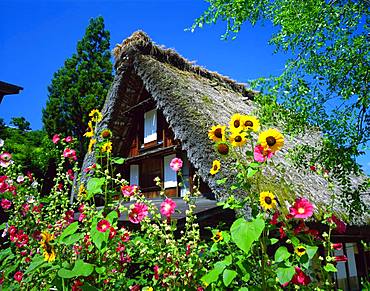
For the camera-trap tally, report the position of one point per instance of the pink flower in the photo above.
(300, 278)
(112, 232)
(5, 203)
(125, 237)
(340, 258)
(81, 217)
(302, 208)
(337, 246)
(260, 154)
(156, 273)
(18, 276)
(138, 213)
(70, 175)
(3, 185)
(21, 239)
(128, 191)
(56, 138)
(341, 226)
(103, 225)
(5, 159)
(69, 153)
(168, 207)
(176, 164)
(68, 139)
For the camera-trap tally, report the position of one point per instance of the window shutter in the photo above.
(134, 174)
(150, 126)
(170, 176)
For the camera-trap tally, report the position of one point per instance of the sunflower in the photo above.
(300, 250)
(267, 200)
(217, 236)
(271, 139)
(217, 133)
(236, 123)
(91, 144)
(48, 250)
(106, 133)
(215, 167)
(238, 139)
(89, 133)
(96, 115)
(222, 148)
(250, 123)
(82, 191)
(107, 147)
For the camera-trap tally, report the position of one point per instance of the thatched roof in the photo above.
(193, 99)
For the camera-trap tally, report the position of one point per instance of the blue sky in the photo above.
(37, 36)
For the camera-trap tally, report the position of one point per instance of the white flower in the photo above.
(1, 142)
(20, 179)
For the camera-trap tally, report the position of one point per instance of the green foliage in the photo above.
(80, 85)
(326, 81)
(21, 123)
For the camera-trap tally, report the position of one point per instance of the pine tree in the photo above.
(80, 85)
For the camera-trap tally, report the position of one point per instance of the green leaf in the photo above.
(71, 229)
(212, 275)
(5, 253)
(284, 275)
(330, 268)
(100, 270)
(80, 269)
(228, 260)
(282, 254)
(3, 226)
(37, 261)
(118, 161)
(98, 238)
(254, 165)
(311, 251)
(295, 241)
(244, 233)
(112, 216)
(273, 241)
(94, 187)
(228, 276)
(221, 181)
(243, 289)
(72, 239)
(251, 172)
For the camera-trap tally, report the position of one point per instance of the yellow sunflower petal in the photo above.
(216, 165)
(250, 123)
(217, 133)
(236, 123)
(238, 139)
(271, 139)
(267, 200)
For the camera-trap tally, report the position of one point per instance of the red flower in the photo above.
(21, 239)
(70, 174)
(302, 208)
(37, 208)
(300, 227)
(29, 175)
(5, 203)
(138, 213)
(168, 207)
(56, 138)
(3, 185)
(81, 217)
(68, 139)
(275, 217)
(69, 153)
(103, 225)
(76, 285)
(121, 247)
(135, 288)
(69, 216)
(88, 169)
(300, 278)
(187, 250)
(341, 226)
(36, 235)
(18, 276)
(125, 237)
(156, 275)
(313, 168)
(340, 258)
(337, 246)
(282, 232)
(176, 164)
(112, 232)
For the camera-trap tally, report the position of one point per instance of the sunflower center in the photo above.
(268, 200)
(236, 123)
(238, 138)
(248, 123)
(301, 210)
(223, 149)
(218, 133)
(270, 140)
(301, 250)
(215, 167)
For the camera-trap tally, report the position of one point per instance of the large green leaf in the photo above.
(80, 269)
(100, 239)
(244, 233)
(71, 229)
(311, 251)
(228, 276)
(212, 276)
(284, 275)
(94, 187)
(282, 254)
(37, 261)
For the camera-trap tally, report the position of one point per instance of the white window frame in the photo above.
(170, 176)
(134, 175)
(150, 126)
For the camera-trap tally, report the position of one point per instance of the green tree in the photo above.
(326, 80)
(21, 123)
(80, 85)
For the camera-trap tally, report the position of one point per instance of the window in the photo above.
(134, 174)
(170, 176)
(150, 169)
(150, 126)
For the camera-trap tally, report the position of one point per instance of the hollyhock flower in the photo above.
(125, 237)
(18, 276)
(302, 208)
(68, 139)
(128, 191)
(103, 225)
(88, 169)
(37, 209)
(1, 142)
(124, 258)
(36, 235)
(5, 159)
(187, 250)
(81, 217)
(112, 232)
(29, 175)
(21, 239)
(300, 278)
(70, 174)
(5, 203)
(274, 219)
(156, 274)
(121, 247)
(138, 213)
(20, 179)
(69, 216)
(3, 185)
(25, 208)
(313, 168)
(261, 155)
(56, 138)
(69, 153)
(282, 232)
(168, 207)
(340, 258)
(337, 246)
(176, 164)
(135, 288)
(76, 285)
(341, 226)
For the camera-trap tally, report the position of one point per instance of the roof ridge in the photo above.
(140, 43)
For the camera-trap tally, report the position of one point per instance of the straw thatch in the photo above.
(193, 99)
